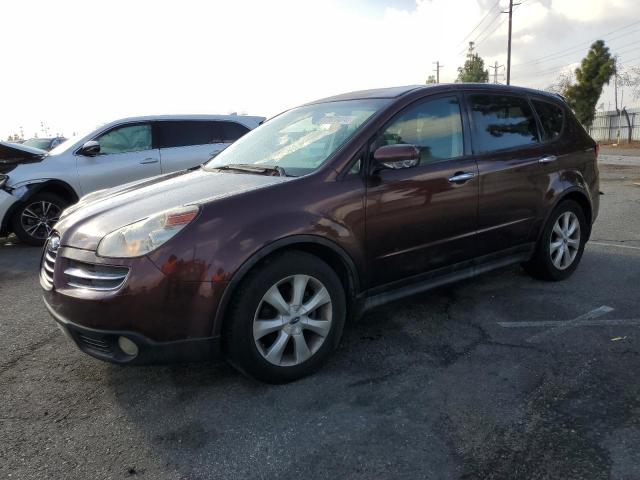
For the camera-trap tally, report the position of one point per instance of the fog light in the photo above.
(127, 346)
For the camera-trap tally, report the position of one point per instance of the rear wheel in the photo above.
(286, 317)
(561, 244)
(33, 222)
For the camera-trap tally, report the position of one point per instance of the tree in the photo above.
(596, 69)
(473, 69)
(561, 84)
(629, 77)
(431, 79)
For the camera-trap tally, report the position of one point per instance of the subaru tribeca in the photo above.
(321, 213)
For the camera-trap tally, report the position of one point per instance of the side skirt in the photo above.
(454, 273)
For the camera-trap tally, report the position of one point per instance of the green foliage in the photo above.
(431, 79)
(596, 69)
(473, 69)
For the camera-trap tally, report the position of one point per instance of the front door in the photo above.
(126, 154)
(422, 218)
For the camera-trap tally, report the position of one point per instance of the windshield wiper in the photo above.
(274, 171)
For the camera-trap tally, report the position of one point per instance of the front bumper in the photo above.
(103, 344)
(168, 319)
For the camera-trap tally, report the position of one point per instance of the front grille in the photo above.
(95, 342)
(49, 261)
(91, 276)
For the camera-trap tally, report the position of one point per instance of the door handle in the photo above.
(548, 159)
(147, 161)
(461, 177)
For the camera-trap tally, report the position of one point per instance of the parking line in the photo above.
(560, 326)
(601, 322)
(613, 245)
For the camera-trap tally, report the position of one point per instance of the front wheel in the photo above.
(33, 222)
(561, 244)
(286, 318)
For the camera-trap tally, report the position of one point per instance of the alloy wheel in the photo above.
(292, 321)
(38, 218)
(565, 240)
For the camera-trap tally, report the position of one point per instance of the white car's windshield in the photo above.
(300, 140)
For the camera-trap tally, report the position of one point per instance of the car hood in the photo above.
(13, 154)
(86, 223)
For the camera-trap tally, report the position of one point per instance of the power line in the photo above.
(489, 34)
(578, 45)
(497, 28)
(475, 40)
(479, 23)
(578, 49)
(629, 47)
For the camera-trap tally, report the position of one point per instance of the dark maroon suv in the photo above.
(324, 211)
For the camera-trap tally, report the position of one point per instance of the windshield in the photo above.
(300, 140)
(41, 143)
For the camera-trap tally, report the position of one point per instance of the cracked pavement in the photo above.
(427, 387)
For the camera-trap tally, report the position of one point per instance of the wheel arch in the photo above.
(328, 251)
(57, 187)
(579, 196)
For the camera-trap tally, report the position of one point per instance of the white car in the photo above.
(35, 185)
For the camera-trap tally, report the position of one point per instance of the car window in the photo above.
(434, 126)
(129, 138)
(232, 131)
(185, 133)
(551, 117)
(501, 122)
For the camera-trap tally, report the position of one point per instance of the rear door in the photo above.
(511, 163)
(189, 143)
(422, 218)
(127, 153)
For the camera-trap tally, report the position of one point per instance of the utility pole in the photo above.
(615, 80)
(437, 70)
(510, 12)
(495, 71)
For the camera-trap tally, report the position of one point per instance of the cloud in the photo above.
(83, 62)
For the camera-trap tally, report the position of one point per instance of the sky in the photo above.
(71, 65)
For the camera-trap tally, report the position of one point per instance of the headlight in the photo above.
(147, 234)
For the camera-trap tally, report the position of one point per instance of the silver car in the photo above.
(35, 185)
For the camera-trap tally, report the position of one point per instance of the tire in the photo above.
(41, 206)
(544, 264)
(252, 350)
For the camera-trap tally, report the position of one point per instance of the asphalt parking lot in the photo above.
(498, 377)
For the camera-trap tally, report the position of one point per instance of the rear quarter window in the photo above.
(551, 118)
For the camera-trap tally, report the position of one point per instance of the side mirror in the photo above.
(396, 157)
(90, 148)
